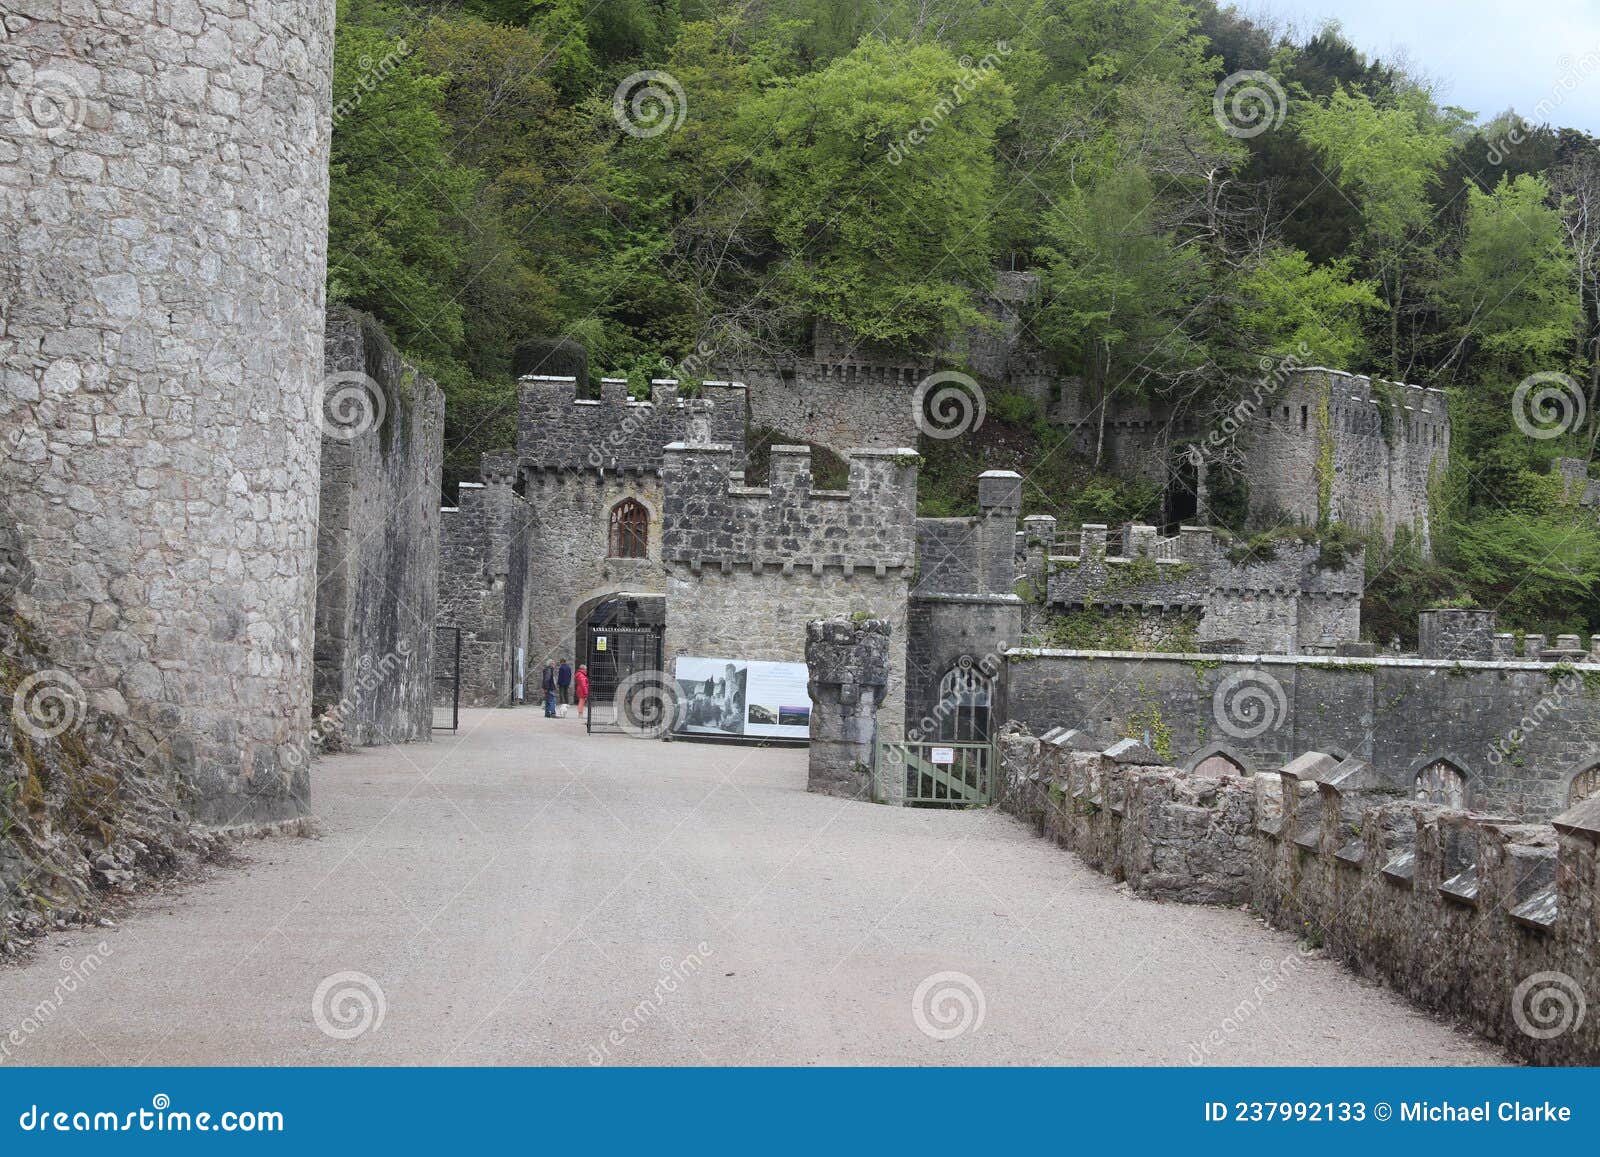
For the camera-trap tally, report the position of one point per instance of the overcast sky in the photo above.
(1488, 54)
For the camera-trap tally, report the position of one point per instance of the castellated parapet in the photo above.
(1476, 916)
(748, 567)
(1285, 599)
(557, 430)
(164, 253)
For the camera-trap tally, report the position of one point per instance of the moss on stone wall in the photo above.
(1090, 629)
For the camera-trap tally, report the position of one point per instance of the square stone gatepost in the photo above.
(847, 664)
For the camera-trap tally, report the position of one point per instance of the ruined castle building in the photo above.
(163, 242)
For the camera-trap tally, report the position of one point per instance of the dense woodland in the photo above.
(485, 190)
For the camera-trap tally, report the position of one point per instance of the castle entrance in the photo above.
(619, 640)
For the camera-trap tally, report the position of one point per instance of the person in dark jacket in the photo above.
(547, 684)
(564, 681)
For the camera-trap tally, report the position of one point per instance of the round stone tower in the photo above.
(163, 244)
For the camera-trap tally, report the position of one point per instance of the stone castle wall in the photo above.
(485, 559)
(749, 567)
(1481, 918)
(163, 239)
(1322, 444)
(1517, 732)
(378, 543)
(1281, 602)
(557, 430)
(839, 405)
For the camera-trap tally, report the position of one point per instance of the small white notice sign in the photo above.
(943, 755)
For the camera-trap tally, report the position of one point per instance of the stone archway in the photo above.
(1217, 761)
(1441, 781)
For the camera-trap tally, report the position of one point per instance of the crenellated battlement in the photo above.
(1457, 910)
(712, 519)
(557, 430)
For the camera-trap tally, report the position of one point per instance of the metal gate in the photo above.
(612, 654)
(942, 774)
(446, 678)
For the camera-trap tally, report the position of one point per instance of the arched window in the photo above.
(1218, 764)
(1442, 783)
(966, 695)
(630, 529)
(1584, 785)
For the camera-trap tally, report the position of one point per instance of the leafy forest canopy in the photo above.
(501, 172)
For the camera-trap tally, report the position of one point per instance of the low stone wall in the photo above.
(1484, 919)
(377, 545)
(1519, 735)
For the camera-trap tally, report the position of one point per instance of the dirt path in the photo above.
(527, 894)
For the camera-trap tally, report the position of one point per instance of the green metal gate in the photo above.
(941, 774)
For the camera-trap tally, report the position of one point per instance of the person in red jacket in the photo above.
(580, 686)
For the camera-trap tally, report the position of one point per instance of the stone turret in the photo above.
(847, 664)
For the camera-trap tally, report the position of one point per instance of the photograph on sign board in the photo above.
(712, 696)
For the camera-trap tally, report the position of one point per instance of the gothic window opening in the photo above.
(1584, 785)
(630, 529)
(966, 696)
(1442, 783)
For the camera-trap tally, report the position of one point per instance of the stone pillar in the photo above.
(1447, 633)
(847, 661)
(1000, 499)
(1039, 535)
(164, 226)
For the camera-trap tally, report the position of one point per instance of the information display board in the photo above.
(752, 698)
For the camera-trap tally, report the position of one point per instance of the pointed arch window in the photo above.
(630, 530)
(1442, 783)
(1584, 785)
(966, 696)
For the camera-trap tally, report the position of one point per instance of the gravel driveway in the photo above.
(527, 894)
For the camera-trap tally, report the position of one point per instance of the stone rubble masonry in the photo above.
(1520, 734)
(485, 559)
(1468, 915)
(557, 430)
(749, 567)
(964, 608)
(378, 548)
(1456, 634)
(1286, 604)
(834, 404)
(847, 664)
(1322, 444)
(163, 260)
